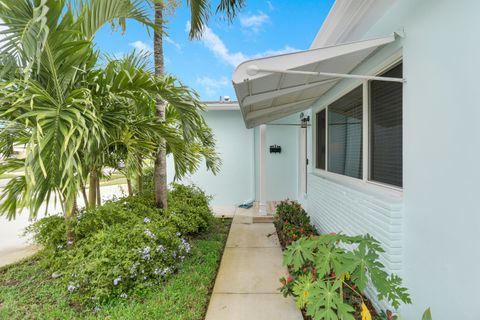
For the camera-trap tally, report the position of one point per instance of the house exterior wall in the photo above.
(430, 229)
(233, 185)
(281, 168)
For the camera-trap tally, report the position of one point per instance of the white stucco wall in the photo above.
(431, 233)
(281, 168)
(234, 184)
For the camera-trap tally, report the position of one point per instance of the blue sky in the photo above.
(261, 28)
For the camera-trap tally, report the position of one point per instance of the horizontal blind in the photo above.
(386, 129)
(345, 134)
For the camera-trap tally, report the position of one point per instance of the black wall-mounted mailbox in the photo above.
(275, 149)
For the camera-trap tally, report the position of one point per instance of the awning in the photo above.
(274, 87)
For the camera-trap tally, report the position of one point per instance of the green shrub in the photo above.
(188, 208)
(49, 232)
(123, 245)
(292, 212)
(329, 280)
(118, 259)
(292, 222)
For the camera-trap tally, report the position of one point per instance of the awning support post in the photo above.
(262, 207)
(253, 70)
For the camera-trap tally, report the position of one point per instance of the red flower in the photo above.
(286, 222)
(333, 275)
(390, 315)
(294, 236)
(314, 270)
(354, 286)
(301, 230)
(289, 279)
(305, 269)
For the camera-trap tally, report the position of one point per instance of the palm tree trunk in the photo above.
(68, 217)
(99, 195)
(84, 195)
(92, 189)
(129, 186)
(140, 175)
(160, 171)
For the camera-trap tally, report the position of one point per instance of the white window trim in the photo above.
(364, 184)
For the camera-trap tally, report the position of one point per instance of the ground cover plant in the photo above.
(129, 258)
(329, 273)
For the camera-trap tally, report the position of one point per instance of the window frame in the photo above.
(365, 183)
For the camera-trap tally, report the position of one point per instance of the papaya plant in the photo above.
(330, 273)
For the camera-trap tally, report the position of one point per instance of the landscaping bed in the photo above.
(94, 278)
(326, 279)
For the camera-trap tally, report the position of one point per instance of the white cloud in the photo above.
(173, 43)
(254, 21)
(213, 42)
(216, 45)
(213, 86)
(141, 46)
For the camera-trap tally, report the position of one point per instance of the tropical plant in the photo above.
(74, 117)
(330, 274)
(292, 222)
(200, 12)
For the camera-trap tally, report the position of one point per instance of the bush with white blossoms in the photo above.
(124, 245)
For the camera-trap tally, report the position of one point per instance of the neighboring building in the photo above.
(395, 156)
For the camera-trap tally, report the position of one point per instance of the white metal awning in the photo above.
(274, 87)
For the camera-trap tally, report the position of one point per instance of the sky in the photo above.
(263, 27)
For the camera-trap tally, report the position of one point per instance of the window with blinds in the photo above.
(345, 135)
(386, 129)
(321, 140)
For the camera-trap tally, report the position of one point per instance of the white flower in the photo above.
(178, 234)
(185, 246)
(160, 249)
(149, 234)
(145, 253)
(146, 220)
(124, 295)
(71, 288)
(116, 281)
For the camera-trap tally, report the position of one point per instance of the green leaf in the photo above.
(298, 253)
(427, 315)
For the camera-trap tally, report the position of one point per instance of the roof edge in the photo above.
(349, 20)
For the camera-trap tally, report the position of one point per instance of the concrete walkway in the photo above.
(247, 283)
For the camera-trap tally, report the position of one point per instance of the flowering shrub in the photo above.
(292, 222)
(124, 245)
(329, 281)
(188, 208)
(292, 232)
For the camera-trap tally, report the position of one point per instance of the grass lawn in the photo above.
(28, 292)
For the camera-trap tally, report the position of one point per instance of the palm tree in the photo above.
(74, 118)
(200, 11)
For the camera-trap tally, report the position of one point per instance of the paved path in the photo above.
(14, 246)
(247, 283)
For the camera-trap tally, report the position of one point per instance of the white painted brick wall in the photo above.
(337, 208)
